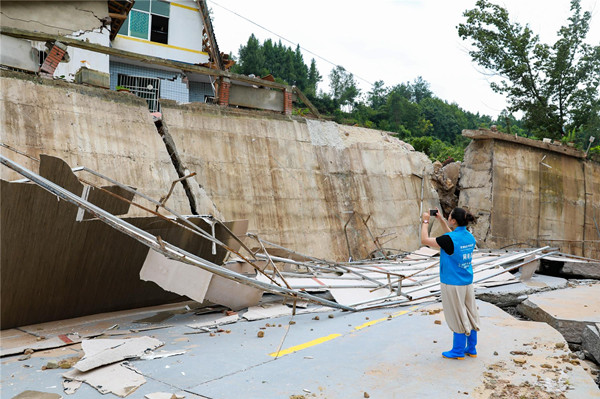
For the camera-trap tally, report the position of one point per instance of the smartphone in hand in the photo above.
(433, 212)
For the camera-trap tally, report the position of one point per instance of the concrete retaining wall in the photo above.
(109, 132)
(297, 181)
(529, 195)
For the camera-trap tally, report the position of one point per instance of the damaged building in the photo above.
(200, 211)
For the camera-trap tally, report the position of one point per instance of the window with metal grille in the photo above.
(146, 88)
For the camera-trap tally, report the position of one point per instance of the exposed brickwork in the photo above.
(53, 59)
(287, 102)
(224, 87)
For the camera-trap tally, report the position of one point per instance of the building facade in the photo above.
(165, 29)
(172, 30)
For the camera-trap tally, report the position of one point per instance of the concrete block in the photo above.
(18, 53)
(569, 310)
(92, 77)
(514, 294)
(583, 270)
(591, 341)
(251, 97)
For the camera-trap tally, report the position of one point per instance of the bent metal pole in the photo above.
(163, 247)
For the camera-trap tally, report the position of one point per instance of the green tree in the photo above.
(344, 89)
(447, 120)
(377, 96)
(404, 115)
(555, 86)
(285, 64)
(251, 58)
(420, 90)
(314, 77)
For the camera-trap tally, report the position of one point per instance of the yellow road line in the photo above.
(305, 345)
(318, 341)
(370, 323)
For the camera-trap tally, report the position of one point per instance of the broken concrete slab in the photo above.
(582, 269)
(513, 294)
(568, 310)
(590, 341)
(100, 352)
(118, 379)
(570, 267)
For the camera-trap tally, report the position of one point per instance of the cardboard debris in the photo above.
(100, 352)
(117, 378)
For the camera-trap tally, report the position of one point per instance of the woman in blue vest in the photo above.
(456, 276)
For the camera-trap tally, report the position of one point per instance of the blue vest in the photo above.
(456, 269)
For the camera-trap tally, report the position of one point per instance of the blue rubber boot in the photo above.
(471, 343)
(458, 347)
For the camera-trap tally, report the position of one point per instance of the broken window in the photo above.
(146, 88)
(42, 56)
(148, 20)
(160, 29)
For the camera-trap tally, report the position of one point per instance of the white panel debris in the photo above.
(175, 276)
(71, 386)
(118, 379)
(270, 310)
(159, 355)
(99, 352)
(49, 343)
(213, 321)
(357, 295)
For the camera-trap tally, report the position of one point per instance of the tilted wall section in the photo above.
(298, 181)
(525, 195)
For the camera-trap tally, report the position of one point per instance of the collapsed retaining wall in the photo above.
(529, 193)
(296, 180)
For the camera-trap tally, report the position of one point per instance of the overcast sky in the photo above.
(390, 40)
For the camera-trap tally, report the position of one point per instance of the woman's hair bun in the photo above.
(463, 217)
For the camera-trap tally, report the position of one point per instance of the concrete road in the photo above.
(385, 353)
